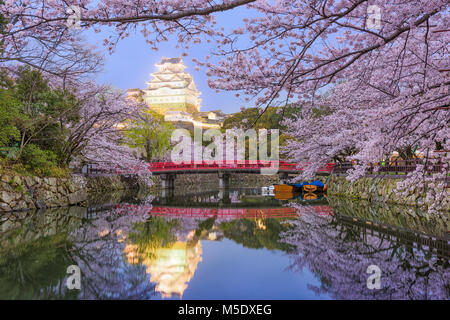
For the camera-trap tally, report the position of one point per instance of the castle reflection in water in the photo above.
(252, 246)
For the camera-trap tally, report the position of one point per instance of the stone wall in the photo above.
(372, 189)
(24, 192)
(213, 179)
(255, 179)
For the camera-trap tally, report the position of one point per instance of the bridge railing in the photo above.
(92, 170)
(397, 167)
(230, 165)
(243, 164)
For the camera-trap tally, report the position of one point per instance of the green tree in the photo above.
(272, 118)
(47, 112)
(9, 113)
(35, 121)
(150, 134)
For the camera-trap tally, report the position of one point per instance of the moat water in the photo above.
(243, 243)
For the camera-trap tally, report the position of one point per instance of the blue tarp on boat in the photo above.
(317, 183)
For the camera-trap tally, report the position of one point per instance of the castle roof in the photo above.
(171, 60)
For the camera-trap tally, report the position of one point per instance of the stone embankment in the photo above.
(19, 193)
(24, 192)
(381, 190)
(212, 179)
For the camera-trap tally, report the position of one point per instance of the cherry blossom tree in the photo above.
(380, 68)
(50, 22)
(64, 56)
(98, 137)
(378, 89)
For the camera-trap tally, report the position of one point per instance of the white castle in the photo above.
(172, 92)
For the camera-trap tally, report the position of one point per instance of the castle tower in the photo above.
(171, 88)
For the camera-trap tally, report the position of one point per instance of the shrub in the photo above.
(58, 172)
(35, 158)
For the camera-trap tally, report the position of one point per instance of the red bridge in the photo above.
(278, 212)
(168, 170)
(242, 166)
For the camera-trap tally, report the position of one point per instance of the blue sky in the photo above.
(133, 61)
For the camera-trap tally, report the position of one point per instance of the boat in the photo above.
(284, 195)
(268, 191)
(309, 187)
(283, 188)
(312, 196)
(285, 192)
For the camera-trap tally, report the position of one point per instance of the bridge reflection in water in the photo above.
(173, 266)
(206, 246)
(231, 213)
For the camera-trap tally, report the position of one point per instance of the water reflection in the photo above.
(170, 260)
(237, 244)
(338, 250)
